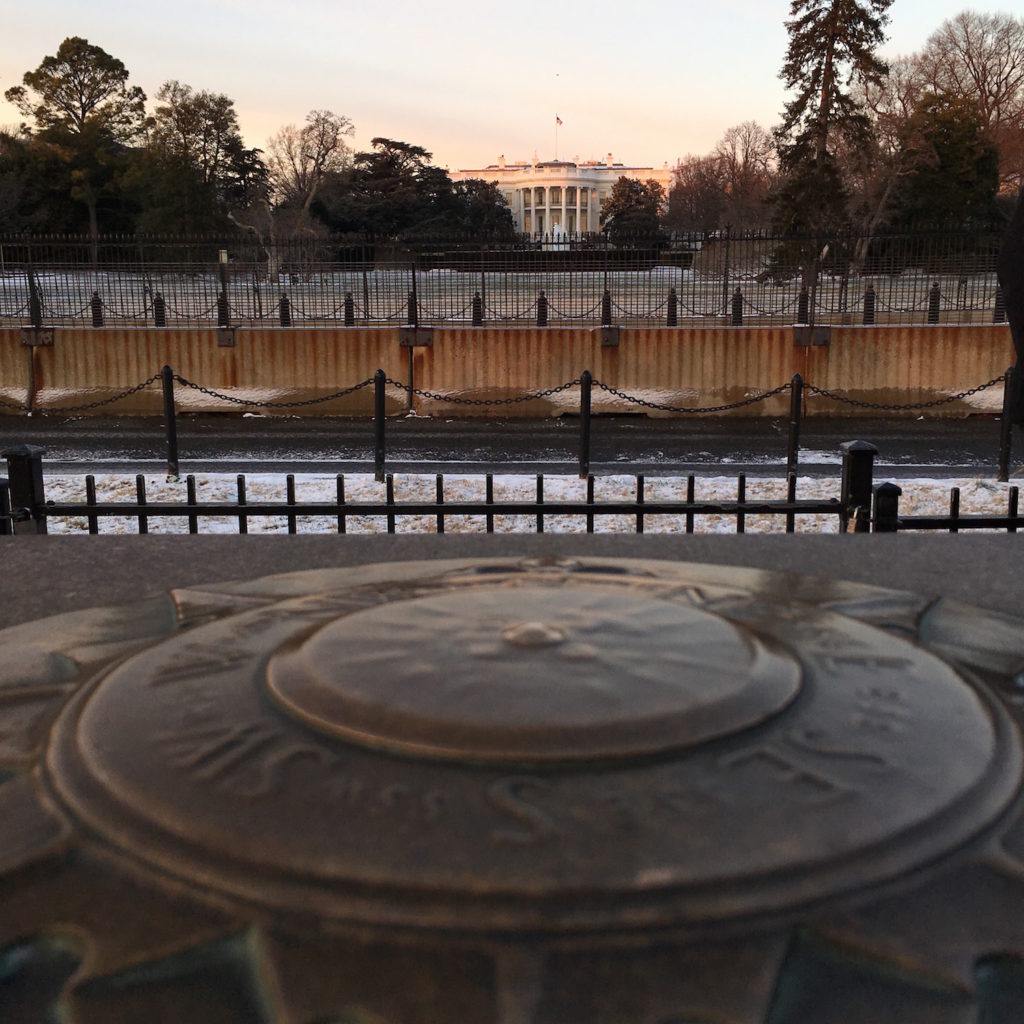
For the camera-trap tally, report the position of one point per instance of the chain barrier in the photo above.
(530, 396)
(234, 400)
(762, 396)
(908, 406)
(64, 410)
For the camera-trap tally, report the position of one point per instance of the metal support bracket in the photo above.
(805, 337)
(226, 337)
(416, 337)
(609, 337)
(35, 336)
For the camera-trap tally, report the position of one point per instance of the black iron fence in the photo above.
(709, 278)
(860, 505)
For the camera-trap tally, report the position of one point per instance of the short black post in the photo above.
(159, 311)
(414, 301)
(35, 303)
(885, 514)
(857, 485)
(542, 309)
(869, 304)
(350, 310)
(999, 309)
(585, 385)
(410, 316)
(803, 306)
(606, 309)
(25, 481)
(167, 380)
(284, 311)
(672, 319)
(5, 508)
(379, 379)
(223, 318)
(737, 308)
(796, 401)
(934, 301)
(96, 305)
(1006, 427)
(478, 310)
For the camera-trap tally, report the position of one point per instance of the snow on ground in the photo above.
(920, 497)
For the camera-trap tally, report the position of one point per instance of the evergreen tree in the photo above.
(832, 46)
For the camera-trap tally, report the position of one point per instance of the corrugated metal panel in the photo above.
(15, 363)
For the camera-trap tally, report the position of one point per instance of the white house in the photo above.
(555, 197)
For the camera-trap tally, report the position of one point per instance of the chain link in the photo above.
(88, 406)
(453, 400)
(690, 409)
(271, 405)
(909, 406)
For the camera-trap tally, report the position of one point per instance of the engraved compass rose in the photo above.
(514, 792)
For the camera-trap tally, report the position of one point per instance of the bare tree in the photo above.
(980, 57)
(745, 156)
(300, 159)
(696, 200)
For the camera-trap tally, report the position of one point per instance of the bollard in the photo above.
(223, 319)
(478, 310)
(96, 304)
(796, 401)
(1006, 427)
(35, 303)
(5, 508)
(167, 380)
(606, 309)
(672, 320)
(379, 380)
(737, 308)
(410, 316)
(25, 483)
(350, 310)
(869, 305)
(999, 309)
(542, 309)
(934, 298)
(803, 306)
(285, 311)
(856, 487)
(585, 385)
(885, 512)
(159, 311)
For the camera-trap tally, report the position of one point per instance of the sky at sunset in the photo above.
(648, 80)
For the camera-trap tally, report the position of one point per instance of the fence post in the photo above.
(999, 309)
(285, 311)
(1006, 427)
(414, 304)
(803, 305)
(159, 311)
(606, 309)
(869, 304)
(25, 480)
(585, 385)
(35, 304)
(885, 513)
(796, 401)
(672, 320)
(934, 299)
(857, 483)
(350, 310)
(379, 379)
(5, 508)
(478, 310)
(96, 306)
(737, 308)
(542, 309)
(223, 317)
(167, 380)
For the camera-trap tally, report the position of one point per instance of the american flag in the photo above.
(558, 120)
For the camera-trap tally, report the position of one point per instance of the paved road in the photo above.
(235, 443)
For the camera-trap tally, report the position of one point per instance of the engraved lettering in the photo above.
(199, 661)
(389, 798)
(881, 710)
(870, 662)
(274, 768)
(817, 741)
(506, 796)
(211, 755)
(782, 767)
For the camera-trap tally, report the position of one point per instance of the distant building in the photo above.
(555, 197)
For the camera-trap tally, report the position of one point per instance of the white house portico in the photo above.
(555, 197)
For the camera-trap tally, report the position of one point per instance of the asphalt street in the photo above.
(246, 443)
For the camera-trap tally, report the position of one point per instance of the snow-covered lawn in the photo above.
(920, 497)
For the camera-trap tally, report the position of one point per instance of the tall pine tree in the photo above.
(832, 45)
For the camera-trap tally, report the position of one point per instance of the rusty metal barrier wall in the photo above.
(671, 366)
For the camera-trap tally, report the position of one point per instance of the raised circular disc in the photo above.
(531, 674)
(184, 758)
